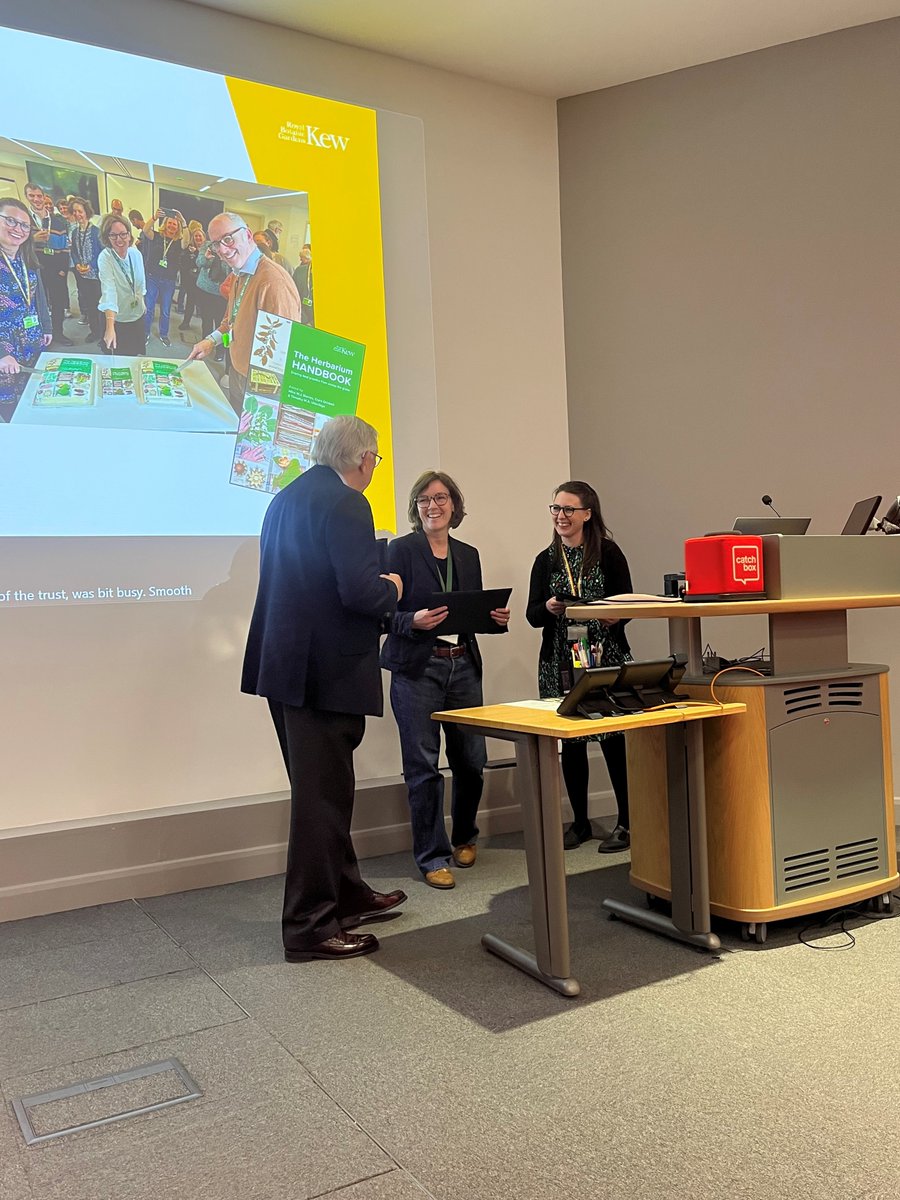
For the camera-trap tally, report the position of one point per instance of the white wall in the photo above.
(108, 715)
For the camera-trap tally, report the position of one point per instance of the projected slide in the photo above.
(129, 442)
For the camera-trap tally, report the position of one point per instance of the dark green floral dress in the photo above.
(550, 670)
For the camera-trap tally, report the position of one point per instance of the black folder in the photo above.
(470, 612)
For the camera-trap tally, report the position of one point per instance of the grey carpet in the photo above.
(435, 1069)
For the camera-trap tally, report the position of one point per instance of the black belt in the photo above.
(449, 651)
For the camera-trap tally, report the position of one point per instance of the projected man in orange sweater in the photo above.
(259, 284)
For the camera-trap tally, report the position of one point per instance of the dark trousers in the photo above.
(446, 683)
(190, 302)
(88, 299)
(322, 883)
(211, 309)
(575, 769)
(131, 338)
(57, 290)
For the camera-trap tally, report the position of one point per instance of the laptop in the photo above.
(761, 525)
(861, 515)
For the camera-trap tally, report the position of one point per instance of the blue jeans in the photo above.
(164, 290)
(446, 683)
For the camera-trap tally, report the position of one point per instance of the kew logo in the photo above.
(313, 135)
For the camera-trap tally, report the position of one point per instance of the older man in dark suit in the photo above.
(312, 652)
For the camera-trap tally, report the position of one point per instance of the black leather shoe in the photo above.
(378, 905)
(618, 840)
(342, 945)
(62, 340)
(575, 835)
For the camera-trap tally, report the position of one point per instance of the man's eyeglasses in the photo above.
(377, 457)
(556, 509)
(439, 498)
(14, 224)
(227, 239)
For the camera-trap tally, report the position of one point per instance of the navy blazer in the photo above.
(407, 650)
(314, 634)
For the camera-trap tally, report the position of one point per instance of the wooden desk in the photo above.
(535, 728)
(799, 794)
(804, 635)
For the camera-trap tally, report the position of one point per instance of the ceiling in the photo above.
(562, 47)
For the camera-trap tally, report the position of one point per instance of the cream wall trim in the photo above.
(74, 864)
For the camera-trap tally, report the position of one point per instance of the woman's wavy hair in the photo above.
(425, 480)
(595, 529)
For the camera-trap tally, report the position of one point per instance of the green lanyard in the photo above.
(448, 586)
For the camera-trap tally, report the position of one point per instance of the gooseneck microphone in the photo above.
(767, 500)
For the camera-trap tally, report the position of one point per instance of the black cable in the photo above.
(845, 914)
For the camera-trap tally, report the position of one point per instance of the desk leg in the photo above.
(686, 638)
(537, 782)
(688, 857)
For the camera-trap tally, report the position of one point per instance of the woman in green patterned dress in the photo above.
(583, 561)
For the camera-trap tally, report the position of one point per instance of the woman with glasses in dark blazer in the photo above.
(431, 671)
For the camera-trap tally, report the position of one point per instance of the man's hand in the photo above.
(395, 579)
(428, 618)
(9, 366)
(202, 349)
(501, 616)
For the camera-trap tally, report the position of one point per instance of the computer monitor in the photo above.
(761, 525)
(860, 519)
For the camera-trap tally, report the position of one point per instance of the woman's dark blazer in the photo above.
(407, 650)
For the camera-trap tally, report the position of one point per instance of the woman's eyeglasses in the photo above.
(440, 499)
(14, 224)
(556, 509)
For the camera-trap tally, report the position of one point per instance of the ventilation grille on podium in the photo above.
(834, 864)
(809, 697)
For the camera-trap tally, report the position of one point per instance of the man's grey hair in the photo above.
(342, 443)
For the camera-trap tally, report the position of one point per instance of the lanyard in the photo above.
(129, 274)
(575, 590)
(446, 585)
(167, 246)
(82, 238)
(26, 290)
(236, 307)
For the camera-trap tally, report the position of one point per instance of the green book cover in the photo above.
(322, 372)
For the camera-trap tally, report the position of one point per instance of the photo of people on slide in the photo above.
(136, 260)
(115, 276)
